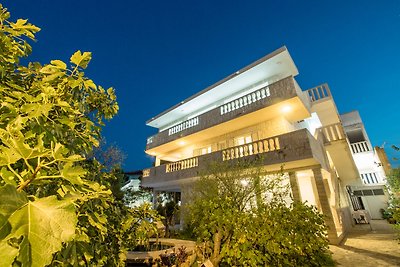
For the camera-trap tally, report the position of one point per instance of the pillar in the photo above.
(294, 186)
(325, 206)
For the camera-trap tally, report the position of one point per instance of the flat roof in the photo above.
(274, 66)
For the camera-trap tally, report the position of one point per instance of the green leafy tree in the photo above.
(56, 206)
(241, 215)
(393, 186)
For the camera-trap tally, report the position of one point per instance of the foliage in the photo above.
(168, 207)
(241, 215)
(393, 184)
(57, 207)
(109, 155)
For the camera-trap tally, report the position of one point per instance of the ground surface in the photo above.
(369, 245)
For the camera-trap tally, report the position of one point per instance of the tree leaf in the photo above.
(59, 64)
(8, 177)
(73, 173)
(44, 225)
(7, 253)
(81, 60)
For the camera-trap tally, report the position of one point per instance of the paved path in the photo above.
(367, 245)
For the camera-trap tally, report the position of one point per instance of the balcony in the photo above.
(294, 149)
(319, 93)
(331, 133)
(277, 92)
(360, 147)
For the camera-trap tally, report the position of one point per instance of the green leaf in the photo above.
(37, 109)
(7, 253)
(81, 60)
(59, 64)
(8, 177)
(44, 225)
(73, 173)
(8, 156)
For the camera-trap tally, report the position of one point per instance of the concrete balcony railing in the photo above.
(261, 98)
(331, 133)
(319, 92)
(282, 149)
(360, 147)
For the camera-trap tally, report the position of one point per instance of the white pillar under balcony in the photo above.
(155, 197)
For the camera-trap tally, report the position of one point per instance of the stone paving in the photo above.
(367, 245)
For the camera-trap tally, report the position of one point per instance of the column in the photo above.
(294, 186)
(325, 206)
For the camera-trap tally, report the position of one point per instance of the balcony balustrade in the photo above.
(245, 100)
(182, 165)
(254, 148)
(293, 146)
(360, 147)
(183, 126)
(319, 92)
(333, 132)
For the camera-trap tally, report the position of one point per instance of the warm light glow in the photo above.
(182, 143)
(286, 108)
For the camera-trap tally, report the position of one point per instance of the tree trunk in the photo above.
(216, 256)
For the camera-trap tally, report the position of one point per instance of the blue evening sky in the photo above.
(157, 53)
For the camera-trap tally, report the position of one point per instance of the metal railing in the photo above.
(184, 125)
(182, 164)
(253, 148)
(359, 147)
(319, 92)
(245, 100)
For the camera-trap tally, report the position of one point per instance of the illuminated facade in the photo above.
(368, 192)
(259, 109)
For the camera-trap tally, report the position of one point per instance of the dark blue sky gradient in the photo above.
(157, 53)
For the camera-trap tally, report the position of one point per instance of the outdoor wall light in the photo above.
(286, 108)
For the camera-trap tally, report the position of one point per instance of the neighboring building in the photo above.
(260, 109)
(367, 193)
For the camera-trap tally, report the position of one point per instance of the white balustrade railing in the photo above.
(319, 92)
(245, 100)
(184, 125)
(371, 178)
(183, 164)
(257, 147)
(333, 132)
(146, 173)
(359, 147)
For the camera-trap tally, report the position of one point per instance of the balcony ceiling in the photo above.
(270, 68)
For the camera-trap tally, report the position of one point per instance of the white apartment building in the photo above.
(262, 110)
(368, 192)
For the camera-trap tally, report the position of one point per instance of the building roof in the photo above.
(270, 68)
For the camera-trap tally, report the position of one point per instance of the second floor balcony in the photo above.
(290, 150)
(267, 98)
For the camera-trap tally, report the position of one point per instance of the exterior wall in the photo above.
(274, 127)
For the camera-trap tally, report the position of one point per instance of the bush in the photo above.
(243, 219)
